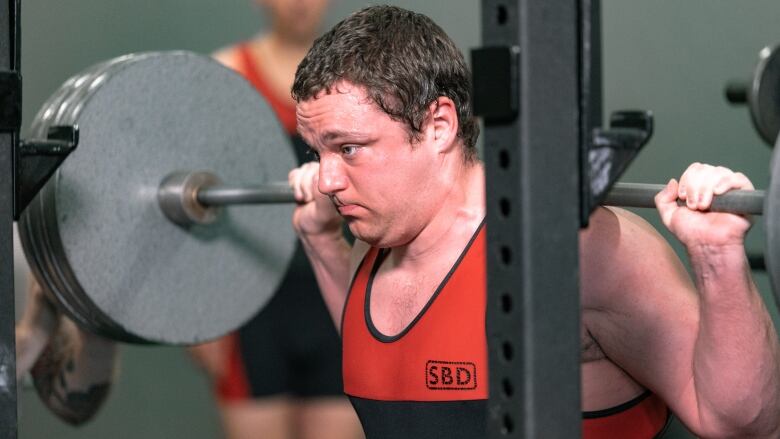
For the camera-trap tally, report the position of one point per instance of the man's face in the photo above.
(374, 175)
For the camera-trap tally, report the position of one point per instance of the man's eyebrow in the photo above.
(337, 134)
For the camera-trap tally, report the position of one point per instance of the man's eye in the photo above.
(348, 149)
(313, 155)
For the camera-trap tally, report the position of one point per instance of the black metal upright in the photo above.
(532, 155)
(9, 129)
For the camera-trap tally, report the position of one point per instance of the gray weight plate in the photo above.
(39, 259)
(110, 248)
(772, 224)
(45, 267)
(80, 307)
(764, 98)
(61, 282)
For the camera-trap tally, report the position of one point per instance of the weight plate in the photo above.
(52, 112)
(771, 223)
(49, 276)
(765, 95)
(97, 233)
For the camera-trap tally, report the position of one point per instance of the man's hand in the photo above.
(693, 225)
(315, 213)
(72, 369)
(35, 328)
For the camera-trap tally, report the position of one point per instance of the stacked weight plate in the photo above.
(95, 236)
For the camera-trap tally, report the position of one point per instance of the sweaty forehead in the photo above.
(346, 108)
(341, 97)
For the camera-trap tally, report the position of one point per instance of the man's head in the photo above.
(296, 20)
(402, 59)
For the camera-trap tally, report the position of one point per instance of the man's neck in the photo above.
(460, 214)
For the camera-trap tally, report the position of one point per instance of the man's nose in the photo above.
(332, 178)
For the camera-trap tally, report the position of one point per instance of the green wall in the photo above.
(667, 56)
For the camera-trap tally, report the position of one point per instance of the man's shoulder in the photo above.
(617, 249)
(612, 226)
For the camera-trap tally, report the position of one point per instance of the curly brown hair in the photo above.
(403, 60)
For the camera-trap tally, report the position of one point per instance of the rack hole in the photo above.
(503, 159)
(506, 255)
(507, 351)
(501, 14)
(506, 303)
(508, 388)
(509, 424)
(505, 206)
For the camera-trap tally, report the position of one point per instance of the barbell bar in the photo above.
(190, 198)
(742, 202)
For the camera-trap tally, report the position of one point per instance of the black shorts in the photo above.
(291, 346)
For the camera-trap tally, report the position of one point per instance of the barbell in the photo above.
(196, 197)
(132, 238)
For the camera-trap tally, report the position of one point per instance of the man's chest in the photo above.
(396, 300)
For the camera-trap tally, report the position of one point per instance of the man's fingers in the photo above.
(700, 183)
(292, 180)
(733, 181)
(666, 201)
(310, 184)
(302, 180)
(705, 198)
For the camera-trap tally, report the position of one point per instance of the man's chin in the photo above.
(362, 234)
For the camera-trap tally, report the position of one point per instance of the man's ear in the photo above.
(443, 124)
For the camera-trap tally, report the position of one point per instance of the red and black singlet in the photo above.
(431, 380)
(645, 416)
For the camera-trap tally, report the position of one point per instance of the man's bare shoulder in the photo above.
(618, 251)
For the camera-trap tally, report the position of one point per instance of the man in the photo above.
(280, 374)
(383, 100)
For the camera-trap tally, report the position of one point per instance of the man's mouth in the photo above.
(344, 208)
(347, 209)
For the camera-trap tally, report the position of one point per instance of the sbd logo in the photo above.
(450, 375)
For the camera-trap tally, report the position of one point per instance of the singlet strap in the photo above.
(251, 71)
(645, 416)
(616, 409)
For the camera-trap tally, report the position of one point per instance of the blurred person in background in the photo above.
(279, 376)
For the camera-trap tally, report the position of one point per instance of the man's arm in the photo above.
(333, 262)
(319, 226)
(709, 349)
(75, 369)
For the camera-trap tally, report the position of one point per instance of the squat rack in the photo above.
(533, 198)
(10, 122)
(549, 163)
